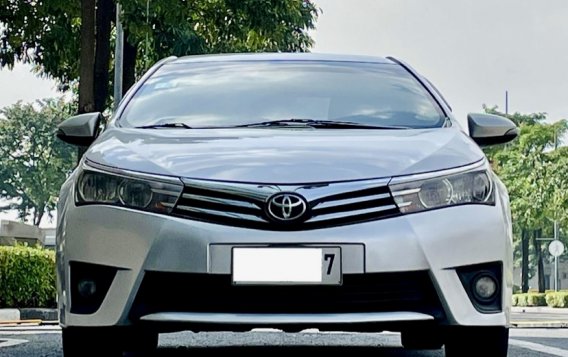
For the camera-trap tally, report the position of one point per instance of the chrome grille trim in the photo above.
(220, 201)
(241, 216)
(347, 201)
(406, 192)
(248, 191)
(351, 213)
(331, 191)
(165, 192)
(244, 205)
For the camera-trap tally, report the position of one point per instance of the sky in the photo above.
(21, 84)
(473, 51)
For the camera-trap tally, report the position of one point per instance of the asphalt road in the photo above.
(47, 342)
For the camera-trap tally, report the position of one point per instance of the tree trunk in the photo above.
(105, 14)
(540, 263)
(38, 215)
(129, 64)
(525, 260)
(87, 57)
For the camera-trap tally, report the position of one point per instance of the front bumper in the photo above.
(136, 244)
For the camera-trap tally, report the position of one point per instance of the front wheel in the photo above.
(482, 341)
(422, 339)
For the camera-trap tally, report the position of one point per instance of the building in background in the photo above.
(12, 232)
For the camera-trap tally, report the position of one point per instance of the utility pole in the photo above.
(118, 55)
(556, 232)
(555, 258)
(506, 102)
(556, 249)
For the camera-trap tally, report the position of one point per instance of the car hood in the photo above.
(283, 156)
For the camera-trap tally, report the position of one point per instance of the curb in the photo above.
(27, 314)
(539, 324)
(39, 314)
(540, 309)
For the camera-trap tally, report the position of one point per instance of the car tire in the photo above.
(423, 339)
(139, 342)
(78, 341)
(104, 341)
(483, 341)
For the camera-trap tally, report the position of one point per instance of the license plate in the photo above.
(287, 266)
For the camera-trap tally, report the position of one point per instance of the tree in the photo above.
(87, 57)
(47, 34)
(33, 163)
(529, 168)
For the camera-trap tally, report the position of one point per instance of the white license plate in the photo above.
(287, 266)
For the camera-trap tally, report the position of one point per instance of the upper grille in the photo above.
(244, 205)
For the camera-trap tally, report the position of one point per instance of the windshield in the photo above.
(225, 94)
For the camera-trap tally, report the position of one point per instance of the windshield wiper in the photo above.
(165, 125)
(311, 123)
(325, 124)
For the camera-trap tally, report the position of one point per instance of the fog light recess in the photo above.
(89, 286)
(483, 285)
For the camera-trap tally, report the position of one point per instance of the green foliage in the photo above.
(529, 299)
(557, 299)
(536, 299)
(44, 33)
(522, 300)
(33, 163)
(47, 33)
(220, 26)
(531, 170)
(535, 175)
(27, 277)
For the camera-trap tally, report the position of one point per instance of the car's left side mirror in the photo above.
(80, 130)
(489, 129)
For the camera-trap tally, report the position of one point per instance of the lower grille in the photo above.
(381, 292)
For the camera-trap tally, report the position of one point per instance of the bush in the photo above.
(557, 299)
(530, 299)
(522, 300)
(536, 299)
(27, 277)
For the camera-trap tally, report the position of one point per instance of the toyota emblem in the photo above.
(286, 207)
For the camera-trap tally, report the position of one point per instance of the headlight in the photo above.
(95, 187)
(471, 187)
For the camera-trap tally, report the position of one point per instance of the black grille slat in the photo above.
(378, 292)
(244, 205)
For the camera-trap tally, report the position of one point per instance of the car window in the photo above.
(238, 93)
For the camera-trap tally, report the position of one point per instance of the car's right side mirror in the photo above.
(489, 129)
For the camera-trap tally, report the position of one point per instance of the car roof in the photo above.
(295, 56)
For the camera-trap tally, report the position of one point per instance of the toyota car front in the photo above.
(290, 191)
